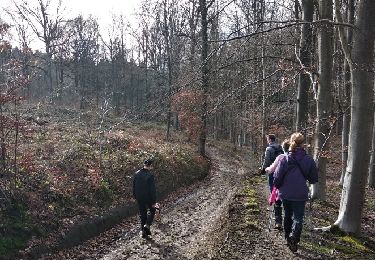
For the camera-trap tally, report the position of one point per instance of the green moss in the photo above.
(370, 203)
(322, 249)
(345, 246)
(354, 242)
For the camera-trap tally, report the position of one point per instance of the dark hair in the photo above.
(148, 162)
(285, 145)
(272, 137)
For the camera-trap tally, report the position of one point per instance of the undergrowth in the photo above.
(72, 168)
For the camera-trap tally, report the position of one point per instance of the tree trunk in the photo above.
(361, 124)
(264, 142)
(345, 143)
(205, 77)
(305, 57)
(263, 73)
(169, 65)
(347, 86)
(371, 177)
(323, 106)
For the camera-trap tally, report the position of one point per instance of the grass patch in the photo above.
(317, 248)
(354, 242)
(15, 229)
(11, 244)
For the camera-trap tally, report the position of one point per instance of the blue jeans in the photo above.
(294, 212)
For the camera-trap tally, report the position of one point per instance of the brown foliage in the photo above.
(186, 103)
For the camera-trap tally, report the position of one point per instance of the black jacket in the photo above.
(269, 155)
(144, 186)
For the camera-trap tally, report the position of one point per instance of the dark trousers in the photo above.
(278, 204)
(293, 219)
(146, 212)
(270, 181)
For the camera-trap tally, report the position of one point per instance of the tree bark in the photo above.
(205, 77)
(305, 57)
(169, 65)
(322, 130)
(371, 177)
(352, 199)
(347, 86)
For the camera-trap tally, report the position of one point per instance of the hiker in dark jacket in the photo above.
(272, 151)
(144, 192)
(290, 178)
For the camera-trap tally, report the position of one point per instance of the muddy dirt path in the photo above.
(186, 226)
(184, 229)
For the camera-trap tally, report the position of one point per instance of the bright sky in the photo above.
(103, 10)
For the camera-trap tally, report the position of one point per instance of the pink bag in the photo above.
(274, 196)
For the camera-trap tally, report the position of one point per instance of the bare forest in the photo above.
(196, 85)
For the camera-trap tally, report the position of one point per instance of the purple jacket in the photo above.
(289, 179)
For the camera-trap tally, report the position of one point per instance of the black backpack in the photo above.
(276, 152)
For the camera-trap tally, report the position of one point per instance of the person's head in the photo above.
(285, 145)
(271, 138)
(296, 140)
(147, 164)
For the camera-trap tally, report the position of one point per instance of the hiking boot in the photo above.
(146, 229)
(292, 245)
(278, 226)
(144, 235)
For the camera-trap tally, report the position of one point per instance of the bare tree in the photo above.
(347, 89)
(304, 82)
(323, 107)
(362, 115)
(203, 7)
(46, 25)
(84, 49)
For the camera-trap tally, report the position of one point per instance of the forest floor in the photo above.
(226, 217)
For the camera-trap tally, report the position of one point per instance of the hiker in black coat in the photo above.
(144, 192)
(272, 151)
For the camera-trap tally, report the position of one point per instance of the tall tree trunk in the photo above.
(204, 70)
(169, 65)
(3, 150)
(263, 73)
(371, 177)
(347, 86)
(321, 147)
(362, 115)
(264, 140)
(304, 82)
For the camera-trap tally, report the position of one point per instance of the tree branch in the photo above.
(342, 36)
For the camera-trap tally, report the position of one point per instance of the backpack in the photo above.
(276, 152)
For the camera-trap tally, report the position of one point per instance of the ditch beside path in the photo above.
(187, 224)
(223, 217)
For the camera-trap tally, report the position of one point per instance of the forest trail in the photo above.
(212, 220)
(184, 229)
(187, 227)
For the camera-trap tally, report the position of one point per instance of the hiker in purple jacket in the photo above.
(290, 178)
